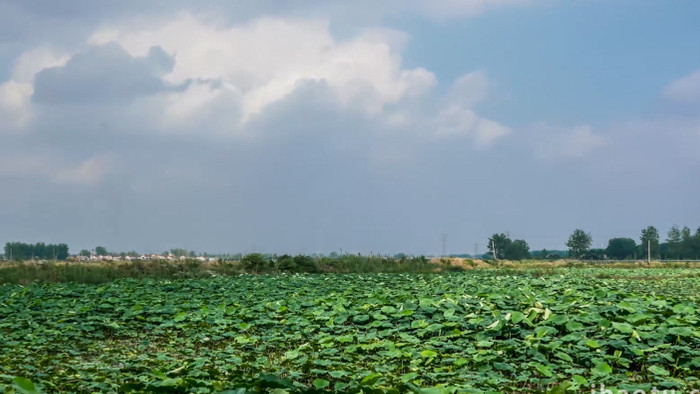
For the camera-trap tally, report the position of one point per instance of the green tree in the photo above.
(673, 243)
(101, 251)
(518, 250)
(621, 248)
(254, 262)
(179, 252)
(498, 244)
(85, 253)
(579, 243)
(650, 239)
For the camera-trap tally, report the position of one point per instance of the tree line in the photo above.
(680, 244)
(24, 251)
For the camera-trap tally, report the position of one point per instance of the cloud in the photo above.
(453, 9)
(265, 60)
(562, 143)
(103, 74)
(15, 93)
(685, 90)
(55, 169)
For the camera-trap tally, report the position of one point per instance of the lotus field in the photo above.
(518, 330)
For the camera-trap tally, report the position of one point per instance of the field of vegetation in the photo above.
(498, 330)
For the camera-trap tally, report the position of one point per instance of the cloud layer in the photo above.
(267, 130)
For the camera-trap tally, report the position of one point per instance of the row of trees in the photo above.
(680, 244)
(23, 251)
(502, 247)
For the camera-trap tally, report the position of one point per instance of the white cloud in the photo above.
(88, 172)
(556, 143)
(265, 60)
(470, 89)
(451, 9)
(15, 93)
(685, 90)
(457, 118)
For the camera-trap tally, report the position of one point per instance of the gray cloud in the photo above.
(105, 73)
(309, 174)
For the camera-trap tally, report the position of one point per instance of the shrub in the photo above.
(254, 263)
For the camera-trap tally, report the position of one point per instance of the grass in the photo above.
(102, 272)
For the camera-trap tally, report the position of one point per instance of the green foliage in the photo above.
(101, 251)
(481, 331)
(518, 250)
(41, 251)
(502, 247)
(621, 248)
(579, 243)
(650, 235)
(255, 263)
(498, 244)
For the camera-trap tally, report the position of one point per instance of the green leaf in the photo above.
(656, 370)
(291, 355)
(24, 385)
(338, 374)
(593, 344)
(544, 370)
(408, 377)
(428, 353)
(321, 384)
(517, 317)
(370, 379)
(602, 368)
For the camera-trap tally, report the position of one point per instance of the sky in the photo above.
(348, 126)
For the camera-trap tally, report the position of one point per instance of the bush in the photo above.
(305, 264)
(254, 263)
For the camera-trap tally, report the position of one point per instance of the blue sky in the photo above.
(303, 127)
(566, 62)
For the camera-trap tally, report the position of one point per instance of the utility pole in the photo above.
(648, 250)
(476, 249)
(493, 247)
(444, 244)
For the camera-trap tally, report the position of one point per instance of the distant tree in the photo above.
(579, 243)
(517, 250)
(254, 262)
(674, 235)
(101, 251)
(593, 254)
(649, 238)
(85, 253)
(621, 248)
(179, 252)
(285, 263)
(192, 253)
(672, 247)
(23, 251)
(685, 234)
(498, 244)
(305, 264)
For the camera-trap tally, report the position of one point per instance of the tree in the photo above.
(650, 239)
(498, 244)
(674, 235)
(254, 262)
(517, 250)
(179, 252)
(621, 248)
(101, 251)
(579, 243)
